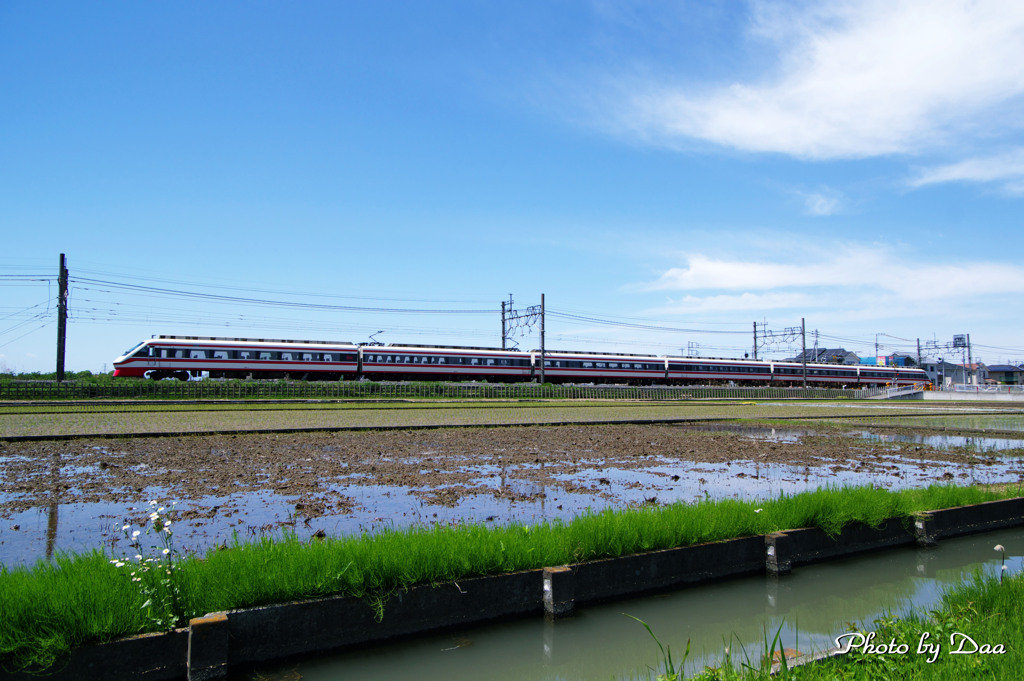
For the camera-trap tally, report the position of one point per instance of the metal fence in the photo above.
(241, 390)
(990, 389)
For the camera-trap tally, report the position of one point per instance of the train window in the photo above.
(600, 365)
(266, 355)
(328, 357)
(220, 354)
(613, 365)
(440, 360)
(474, 361)
(588, 365)
(197, 354)
(243, 354)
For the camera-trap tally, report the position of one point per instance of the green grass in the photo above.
(51, 607)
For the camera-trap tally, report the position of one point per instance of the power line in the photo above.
(304, 294)
(213, 297)
(631, 325)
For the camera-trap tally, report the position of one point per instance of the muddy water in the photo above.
(810, 607)
(70, 496)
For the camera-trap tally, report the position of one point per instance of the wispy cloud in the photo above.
(1006, 168)
(822, 203)
(832, 275)
(854, 79)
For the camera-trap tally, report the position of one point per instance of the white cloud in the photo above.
(845, 270)
(1007, 167)
(821, 204)
(690, 305)
(856, 79)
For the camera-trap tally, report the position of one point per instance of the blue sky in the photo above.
(681, 165)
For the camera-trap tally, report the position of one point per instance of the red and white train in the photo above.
(184, 357)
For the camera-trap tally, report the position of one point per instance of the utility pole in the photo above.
(970, 360)
(755, 340)
(542, 339)
(504, 331)
(919, 352)
(803, 338)
(62, 316)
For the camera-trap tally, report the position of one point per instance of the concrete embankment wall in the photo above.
(972, 397)
(213, 643)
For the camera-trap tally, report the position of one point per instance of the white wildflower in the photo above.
(135, 534)
(166, 551)
(998, 547)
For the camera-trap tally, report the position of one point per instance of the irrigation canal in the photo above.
(811, 607)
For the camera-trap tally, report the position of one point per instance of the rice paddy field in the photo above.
(72, 472)
(298, 473)
(48, 420)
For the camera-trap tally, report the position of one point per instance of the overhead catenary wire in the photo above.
(214, 297)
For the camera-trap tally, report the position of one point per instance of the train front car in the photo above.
(183, 357)
(133, 362)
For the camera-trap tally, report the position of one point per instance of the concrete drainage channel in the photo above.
(213, 643)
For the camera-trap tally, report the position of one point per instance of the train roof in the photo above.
(397, 346)
(252, 340)
(594, 354)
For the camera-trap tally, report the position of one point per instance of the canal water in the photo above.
(809, 607)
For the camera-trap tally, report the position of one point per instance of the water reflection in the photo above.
(810, 607)
(54, 506)
(981, 443)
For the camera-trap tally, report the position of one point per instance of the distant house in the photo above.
(1007, 374)
(827, 356)
(953, 373)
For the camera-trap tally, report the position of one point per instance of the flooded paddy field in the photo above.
(150, 418)
(71, 495)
